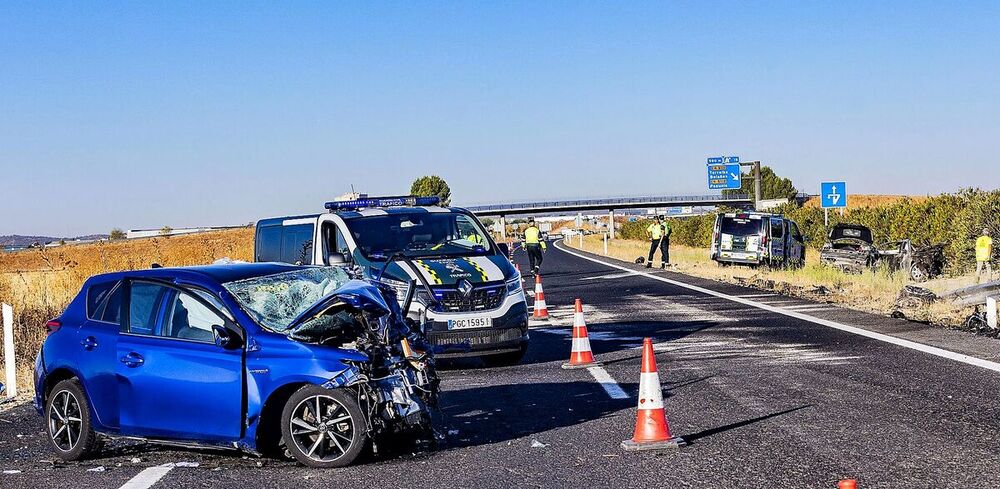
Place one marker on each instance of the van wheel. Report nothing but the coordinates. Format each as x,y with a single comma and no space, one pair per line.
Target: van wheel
506,359
917,274
323,428
67,422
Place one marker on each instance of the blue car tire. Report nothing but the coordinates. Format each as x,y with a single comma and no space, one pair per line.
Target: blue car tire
67,422
323,428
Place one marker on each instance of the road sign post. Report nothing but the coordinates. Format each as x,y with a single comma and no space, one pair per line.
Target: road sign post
833,195
8,349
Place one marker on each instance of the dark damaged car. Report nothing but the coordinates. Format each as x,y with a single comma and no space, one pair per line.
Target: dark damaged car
851,248
264,358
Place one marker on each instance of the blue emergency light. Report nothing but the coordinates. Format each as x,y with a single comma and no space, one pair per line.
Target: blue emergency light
401,201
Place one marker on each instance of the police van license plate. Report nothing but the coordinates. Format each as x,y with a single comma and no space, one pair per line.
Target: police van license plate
470,322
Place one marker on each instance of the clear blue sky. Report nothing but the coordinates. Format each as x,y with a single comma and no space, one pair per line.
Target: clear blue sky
144,114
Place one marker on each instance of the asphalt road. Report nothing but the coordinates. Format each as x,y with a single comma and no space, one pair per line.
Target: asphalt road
763,398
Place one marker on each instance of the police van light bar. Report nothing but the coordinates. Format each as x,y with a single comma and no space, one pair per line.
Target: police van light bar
402,201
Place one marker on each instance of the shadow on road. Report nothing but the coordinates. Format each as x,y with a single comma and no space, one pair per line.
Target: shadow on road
732,426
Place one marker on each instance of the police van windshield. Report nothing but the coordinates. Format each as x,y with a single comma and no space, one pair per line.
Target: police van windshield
740,226
418,234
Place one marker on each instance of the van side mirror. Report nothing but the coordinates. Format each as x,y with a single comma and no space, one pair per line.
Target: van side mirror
336,259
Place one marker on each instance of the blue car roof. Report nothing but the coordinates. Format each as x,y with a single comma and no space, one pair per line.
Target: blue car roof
223,273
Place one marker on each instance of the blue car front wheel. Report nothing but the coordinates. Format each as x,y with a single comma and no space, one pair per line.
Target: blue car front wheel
323,428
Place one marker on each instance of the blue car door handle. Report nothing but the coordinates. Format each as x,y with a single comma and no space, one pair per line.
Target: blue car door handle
89,343
133,360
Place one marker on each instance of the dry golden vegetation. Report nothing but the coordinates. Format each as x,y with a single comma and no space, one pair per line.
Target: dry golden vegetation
39,283
863,200
872,291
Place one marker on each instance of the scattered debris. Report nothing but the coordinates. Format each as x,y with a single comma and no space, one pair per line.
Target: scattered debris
186,464
99,468
11,472
912,296
136,460
452,432
538,444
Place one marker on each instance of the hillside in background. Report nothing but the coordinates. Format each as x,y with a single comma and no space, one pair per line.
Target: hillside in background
20,240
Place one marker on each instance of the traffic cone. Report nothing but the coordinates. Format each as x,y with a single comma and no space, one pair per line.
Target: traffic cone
580,356
848,484
541,310
651,429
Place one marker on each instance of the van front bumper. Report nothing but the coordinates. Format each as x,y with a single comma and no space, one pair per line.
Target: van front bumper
509,332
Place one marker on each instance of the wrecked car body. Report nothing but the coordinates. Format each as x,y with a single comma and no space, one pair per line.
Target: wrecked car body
919,263
850,248
265,358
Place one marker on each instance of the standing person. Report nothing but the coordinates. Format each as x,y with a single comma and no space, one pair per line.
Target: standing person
984,253
533,245
659,235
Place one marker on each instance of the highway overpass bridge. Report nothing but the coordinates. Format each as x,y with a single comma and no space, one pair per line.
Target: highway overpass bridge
610,205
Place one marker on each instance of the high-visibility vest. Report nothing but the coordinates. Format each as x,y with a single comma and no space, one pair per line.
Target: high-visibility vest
531,235
475,238
657,230
984,248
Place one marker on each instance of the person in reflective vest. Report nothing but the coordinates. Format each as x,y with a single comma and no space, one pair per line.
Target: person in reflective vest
533,245
984,255
475,237
659,235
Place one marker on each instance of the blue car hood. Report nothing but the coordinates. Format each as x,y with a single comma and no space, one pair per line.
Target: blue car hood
355,293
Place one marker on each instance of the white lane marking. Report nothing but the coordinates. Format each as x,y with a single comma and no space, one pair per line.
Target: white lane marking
607,382
609,276
148,477
931,350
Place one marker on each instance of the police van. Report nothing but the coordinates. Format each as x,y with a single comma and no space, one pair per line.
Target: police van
466,290
757,238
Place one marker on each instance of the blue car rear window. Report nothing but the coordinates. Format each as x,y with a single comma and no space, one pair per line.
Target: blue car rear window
142,307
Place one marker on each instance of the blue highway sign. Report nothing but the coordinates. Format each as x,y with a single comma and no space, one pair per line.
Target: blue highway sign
833,194
722,176
717,160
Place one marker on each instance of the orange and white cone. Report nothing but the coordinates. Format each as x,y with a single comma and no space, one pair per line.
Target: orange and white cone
541,310
651,429
848,484
580,355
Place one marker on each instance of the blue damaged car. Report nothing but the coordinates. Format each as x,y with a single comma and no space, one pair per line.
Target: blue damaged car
265,358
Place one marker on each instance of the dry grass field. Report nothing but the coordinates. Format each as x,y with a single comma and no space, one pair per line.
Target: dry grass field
872,291
862,200
39,283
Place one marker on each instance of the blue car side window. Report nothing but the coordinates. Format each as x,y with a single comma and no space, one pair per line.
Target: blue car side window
143,301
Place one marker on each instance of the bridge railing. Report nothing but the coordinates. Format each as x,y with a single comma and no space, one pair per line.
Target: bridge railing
611,202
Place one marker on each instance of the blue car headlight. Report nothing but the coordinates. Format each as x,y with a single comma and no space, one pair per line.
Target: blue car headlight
514,284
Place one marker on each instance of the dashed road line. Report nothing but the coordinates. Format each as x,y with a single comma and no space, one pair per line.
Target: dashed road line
931,350
151,475
605,380
148,477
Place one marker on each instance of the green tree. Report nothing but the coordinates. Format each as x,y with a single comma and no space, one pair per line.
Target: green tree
771,186
431,186
116,235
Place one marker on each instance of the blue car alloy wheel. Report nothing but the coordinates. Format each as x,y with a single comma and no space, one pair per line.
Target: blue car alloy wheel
323,428
68,421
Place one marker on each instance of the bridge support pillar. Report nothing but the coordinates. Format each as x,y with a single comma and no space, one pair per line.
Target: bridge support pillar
611,224
503,228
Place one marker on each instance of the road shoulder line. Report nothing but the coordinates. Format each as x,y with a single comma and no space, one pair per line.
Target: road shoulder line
931,350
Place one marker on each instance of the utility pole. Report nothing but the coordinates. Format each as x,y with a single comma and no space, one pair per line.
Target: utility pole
756,185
